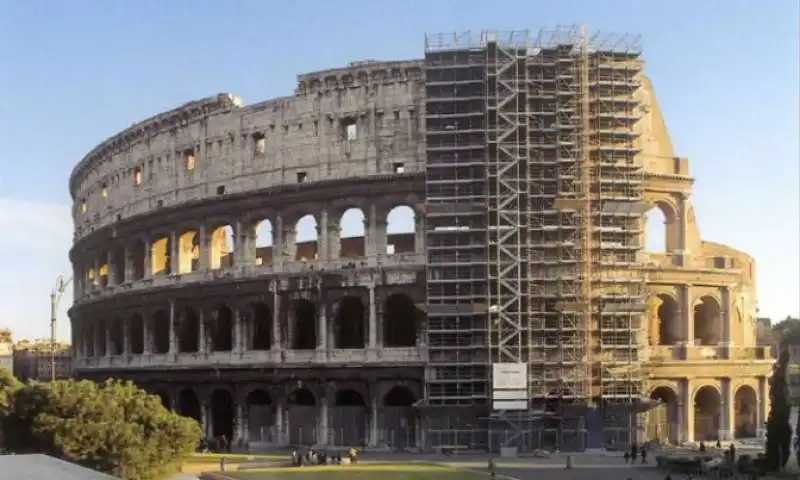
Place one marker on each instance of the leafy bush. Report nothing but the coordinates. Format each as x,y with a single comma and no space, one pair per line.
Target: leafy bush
114,427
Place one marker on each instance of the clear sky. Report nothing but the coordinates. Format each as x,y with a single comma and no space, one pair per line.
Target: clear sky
73,73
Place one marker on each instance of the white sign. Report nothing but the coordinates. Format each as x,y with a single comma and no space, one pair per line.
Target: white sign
510,376
509,404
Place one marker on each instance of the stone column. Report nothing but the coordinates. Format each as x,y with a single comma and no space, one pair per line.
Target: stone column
129,264
204,259
322,328
107,335
685,411
147,348
725,316
112,273
173,337
372,328
323,246
201,332
683,224
238,421
96,267
280,438
763,407
204,426
148,260
373,431
726,410
288,242
174,256
126,337
278,246
238,332
322,434
419,233
686,314
276,317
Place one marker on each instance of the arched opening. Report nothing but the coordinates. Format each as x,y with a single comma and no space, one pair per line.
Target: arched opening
400,321
102,279
349,419
221,247
304,239
164,398
658,227
219,329
160,328
188,252
349,323
117,337
351,233
260,417
265,240
188,331
746,412
222,414
136,333
188,405
401,225
118,265
662,420
707,322
399,422
304,328
302,416
669,326
559,420
707,409
159,256
260,326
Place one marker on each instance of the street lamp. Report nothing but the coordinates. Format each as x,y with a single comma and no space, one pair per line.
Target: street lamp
55,299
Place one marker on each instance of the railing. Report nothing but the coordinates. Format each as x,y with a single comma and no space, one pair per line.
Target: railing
289,358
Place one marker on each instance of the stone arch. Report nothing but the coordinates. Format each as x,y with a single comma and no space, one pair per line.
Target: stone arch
136,334
159,323
260,417
259,326
664,320
745,402
221,247
264,232
349,419
400,321
117,336
222,413
707,321
302,415
663,420
401,229
188,404
660,227
160,255
351,233
398,418
137,250
219,328
707,413
349,328
302,240
188,251
188,329
303,328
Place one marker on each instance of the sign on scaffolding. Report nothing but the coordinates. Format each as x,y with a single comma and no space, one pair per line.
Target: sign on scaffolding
509,386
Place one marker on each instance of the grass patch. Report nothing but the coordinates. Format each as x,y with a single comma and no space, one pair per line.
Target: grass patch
231,458
360,472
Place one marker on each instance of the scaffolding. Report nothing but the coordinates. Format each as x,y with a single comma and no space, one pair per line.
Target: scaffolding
545,125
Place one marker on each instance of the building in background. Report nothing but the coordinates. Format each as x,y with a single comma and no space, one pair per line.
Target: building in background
6,350
33,360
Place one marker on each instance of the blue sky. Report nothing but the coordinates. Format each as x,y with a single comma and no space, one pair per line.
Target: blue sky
73,73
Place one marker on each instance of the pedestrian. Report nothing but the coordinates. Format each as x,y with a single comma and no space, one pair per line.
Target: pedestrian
627,456
644,455
352,453
634,452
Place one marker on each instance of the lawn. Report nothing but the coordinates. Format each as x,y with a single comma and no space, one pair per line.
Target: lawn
360,472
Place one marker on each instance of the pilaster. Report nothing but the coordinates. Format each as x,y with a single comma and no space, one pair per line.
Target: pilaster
276,317
685,411
112,271
204,241
238,332
201,332
173,320
107,336
726,410
148,260
686,316
372,328
173,263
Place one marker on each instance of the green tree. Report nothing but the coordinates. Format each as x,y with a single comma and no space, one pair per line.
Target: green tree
779,432
114,427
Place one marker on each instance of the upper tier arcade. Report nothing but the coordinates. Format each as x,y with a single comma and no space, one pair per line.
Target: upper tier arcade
358,121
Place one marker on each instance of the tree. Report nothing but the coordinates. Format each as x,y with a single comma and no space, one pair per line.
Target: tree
779,432
114,427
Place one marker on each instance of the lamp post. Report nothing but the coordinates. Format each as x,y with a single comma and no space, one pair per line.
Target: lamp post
55,299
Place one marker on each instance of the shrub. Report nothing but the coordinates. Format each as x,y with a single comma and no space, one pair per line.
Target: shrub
114,427
779,432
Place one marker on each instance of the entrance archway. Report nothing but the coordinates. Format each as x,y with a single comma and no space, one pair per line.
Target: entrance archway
707,409
746,412
398,418
222,414
189,405
662,420
260,417
349,419
302,413
707,328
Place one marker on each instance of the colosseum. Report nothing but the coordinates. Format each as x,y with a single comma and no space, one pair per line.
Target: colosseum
417,254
